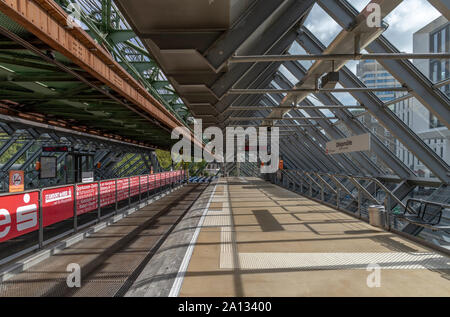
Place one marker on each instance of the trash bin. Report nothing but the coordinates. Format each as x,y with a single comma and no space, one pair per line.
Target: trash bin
377,216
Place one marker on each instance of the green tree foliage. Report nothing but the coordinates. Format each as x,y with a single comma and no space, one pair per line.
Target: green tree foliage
195,169
123,166
164,158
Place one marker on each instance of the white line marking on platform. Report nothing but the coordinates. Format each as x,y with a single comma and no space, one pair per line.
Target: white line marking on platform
176,287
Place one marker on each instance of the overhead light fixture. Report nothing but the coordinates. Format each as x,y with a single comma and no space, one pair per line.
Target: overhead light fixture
330,80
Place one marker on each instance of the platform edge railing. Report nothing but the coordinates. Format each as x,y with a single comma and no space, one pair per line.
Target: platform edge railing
156,184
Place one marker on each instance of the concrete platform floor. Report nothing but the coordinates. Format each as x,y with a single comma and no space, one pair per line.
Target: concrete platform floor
261,240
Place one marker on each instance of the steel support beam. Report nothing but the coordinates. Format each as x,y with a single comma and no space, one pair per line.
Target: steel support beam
335,57
353,125
387,118
312,90
351,168
279,32
229,43
443,6
403,70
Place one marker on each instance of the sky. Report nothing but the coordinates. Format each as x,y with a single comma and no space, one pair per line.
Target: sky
409,17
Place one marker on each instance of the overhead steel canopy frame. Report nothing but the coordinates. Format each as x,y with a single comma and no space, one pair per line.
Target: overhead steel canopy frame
348,163
355,126
202,52
347,41
205,36
106,25
403,70
384,115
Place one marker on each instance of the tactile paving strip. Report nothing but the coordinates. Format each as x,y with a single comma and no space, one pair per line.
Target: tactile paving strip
338,261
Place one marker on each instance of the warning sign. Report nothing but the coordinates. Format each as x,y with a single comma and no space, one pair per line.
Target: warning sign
16,181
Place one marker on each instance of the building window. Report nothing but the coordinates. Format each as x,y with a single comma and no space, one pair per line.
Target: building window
434,122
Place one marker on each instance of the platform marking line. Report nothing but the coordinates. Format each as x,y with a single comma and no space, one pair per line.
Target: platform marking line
176,287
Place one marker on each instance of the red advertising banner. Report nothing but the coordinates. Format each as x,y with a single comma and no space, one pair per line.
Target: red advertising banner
57,205
158,180
19,215
151,182
164,177
144,183
87,198
107,193
134,186
123,189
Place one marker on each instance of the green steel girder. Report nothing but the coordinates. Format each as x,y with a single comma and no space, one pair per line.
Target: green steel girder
107,26
139,66
120,36
68,99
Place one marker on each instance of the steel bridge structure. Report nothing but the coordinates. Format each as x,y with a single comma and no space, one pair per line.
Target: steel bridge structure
111,79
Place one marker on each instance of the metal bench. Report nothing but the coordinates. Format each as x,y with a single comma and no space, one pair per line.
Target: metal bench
427,215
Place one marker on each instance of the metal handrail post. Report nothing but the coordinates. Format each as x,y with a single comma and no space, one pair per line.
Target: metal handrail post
99,208
129,191
117,198
41,220
359,203
338,197
140,195
322,192
388,211
75,214
148,186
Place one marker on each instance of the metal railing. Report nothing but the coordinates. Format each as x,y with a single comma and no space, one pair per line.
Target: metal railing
62,210
363,196
358,199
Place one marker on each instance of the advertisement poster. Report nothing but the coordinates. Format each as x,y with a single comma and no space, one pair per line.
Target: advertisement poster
158,180
19,215
57,205
134,186
16,181
151,182
107,193
87,198
144,184
123,189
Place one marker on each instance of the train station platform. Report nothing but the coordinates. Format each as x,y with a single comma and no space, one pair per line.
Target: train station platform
258,239
239,237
